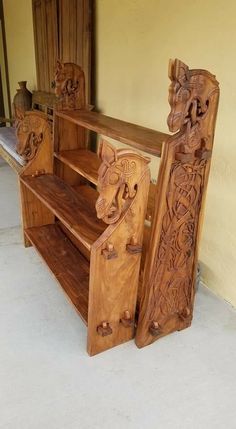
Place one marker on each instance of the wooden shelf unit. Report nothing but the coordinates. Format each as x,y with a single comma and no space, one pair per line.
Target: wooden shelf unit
96,254
90,238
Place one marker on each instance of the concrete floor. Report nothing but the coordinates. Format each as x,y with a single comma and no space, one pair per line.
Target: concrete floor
47,381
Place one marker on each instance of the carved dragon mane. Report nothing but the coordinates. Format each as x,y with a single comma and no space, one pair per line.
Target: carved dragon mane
119,176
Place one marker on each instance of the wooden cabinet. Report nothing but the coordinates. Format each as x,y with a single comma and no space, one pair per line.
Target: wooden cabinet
62,29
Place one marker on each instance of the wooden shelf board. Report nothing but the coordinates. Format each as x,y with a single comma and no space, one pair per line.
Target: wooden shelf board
70,268
69,206
136,136
84,162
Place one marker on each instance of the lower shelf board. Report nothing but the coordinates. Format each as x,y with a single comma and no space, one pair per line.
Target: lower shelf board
70,268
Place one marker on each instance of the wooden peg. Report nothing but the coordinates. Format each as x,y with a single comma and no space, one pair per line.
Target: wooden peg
104,329
38,173
109,252
154,329
133,246
185,313
127,320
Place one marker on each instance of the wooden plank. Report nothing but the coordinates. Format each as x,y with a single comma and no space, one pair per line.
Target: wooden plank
83,161
75,35
91,196
136,136
70,268
68,205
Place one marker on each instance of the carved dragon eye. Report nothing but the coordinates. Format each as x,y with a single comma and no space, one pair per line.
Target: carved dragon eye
114,178
184,94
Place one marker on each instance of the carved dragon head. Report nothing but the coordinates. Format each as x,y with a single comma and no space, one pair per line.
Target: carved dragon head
70,83
30,132
190,95
119,176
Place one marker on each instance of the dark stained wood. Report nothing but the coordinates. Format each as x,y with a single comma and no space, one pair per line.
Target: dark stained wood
70,268
90,195
138,137
83,161
46,43
75,35
62,29
67,205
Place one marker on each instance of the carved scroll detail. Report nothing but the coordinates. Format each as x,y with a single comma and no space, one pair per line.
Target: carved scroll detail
169,278
69,86
30,133
119,176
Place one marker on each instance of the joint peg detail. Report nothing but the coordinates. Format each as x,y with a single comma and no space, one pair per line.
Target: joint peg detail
154,329
133,247
109,252
104,329
127,320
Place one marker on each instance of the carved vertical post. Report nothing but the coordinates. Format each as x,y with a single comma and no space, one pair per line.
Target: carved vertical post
123,185
169,276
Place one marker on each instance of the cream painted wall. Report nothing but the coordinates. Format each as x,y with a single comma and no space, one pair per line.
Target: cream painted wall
135,39
3,74
20,43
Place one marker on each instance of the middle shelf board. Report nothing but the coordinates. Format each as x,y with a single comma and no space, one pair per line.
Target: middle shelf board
87,163
139,137
70,268
71,207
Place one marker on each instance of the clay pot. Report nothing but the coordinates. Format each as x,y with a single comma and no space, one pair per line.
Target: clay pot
22,101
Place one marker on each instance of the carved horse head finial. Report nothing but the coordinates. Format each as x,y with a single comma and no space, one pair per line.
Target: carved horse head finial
190,94
119,176
69,85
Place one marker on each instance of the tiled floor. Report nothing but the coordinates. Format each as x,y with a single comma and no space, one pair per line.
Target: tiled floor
47,381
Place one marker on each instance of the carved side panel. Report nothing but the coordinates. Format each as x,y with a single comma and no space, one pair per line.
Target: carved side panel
169,277
123,185
30,133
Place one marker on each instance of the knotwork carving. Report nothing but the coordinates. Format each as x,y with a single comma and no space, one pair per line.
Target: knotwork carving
174,262
119,176
69,86
30,134
169,278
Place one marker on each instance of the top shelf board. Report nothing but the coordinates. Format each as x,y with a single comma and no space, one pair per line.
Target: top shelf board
141,138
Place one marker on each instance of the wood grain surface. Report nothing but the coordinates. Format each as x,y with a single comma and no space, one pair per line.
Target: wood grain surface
67,205
136,136
70,268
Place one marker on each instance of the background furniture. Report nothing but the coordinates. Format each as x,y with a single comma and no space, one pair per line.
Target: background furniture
66,80
62,29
